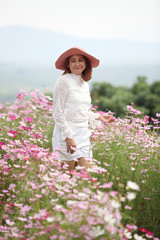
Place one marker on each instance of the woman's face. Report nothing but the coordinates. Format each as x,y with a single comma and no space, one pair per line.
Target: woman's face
77,64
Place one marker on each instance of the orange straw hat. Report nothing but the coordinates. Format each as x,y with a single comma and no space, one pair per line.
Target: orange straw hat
60,63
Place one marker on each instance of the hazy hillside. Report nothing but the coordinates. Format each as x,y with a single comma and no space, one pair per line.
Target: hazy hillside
27,57
27,45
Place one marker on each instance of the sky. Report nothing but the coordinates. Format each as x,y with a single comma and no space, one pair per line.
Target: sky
107,19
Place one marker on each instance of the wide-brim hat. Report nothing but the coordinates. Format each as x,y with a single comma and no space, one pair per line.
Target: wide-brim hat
60,63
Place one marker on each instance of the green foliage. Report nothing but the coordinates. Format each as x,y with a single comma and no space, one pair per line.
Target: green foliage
145,97
155,88
103,89
141,85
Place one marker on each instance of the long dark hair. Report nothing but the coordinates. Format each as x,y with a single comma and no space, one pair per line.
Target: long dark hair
86,74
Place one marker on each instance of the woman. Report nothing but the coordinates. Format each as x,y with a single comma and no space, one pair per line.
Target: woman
71,108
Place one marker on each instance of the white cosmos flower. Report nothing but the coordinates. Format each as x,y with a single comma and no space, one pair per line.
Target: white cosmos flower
109,219
17,142
137,237
23,124
97,231
79,167
127,234
133,169
58,206
70,202
50,219
131,196
46,178
10,134
115,204
81,194
133,185
123,199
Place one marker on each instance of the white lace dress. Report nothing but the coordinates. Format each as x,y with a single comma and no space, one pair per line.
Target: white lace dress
71,113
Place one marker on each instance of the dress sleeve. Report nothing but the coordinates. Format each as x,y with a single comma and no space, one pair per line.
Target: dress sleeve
93,119
59,96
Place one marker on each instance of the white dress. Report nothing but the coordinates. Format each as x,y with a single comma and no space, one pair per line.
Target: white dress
71,113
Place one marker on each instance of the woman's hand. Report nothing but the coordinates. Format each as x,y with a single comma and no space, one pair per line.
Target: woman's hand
105,117
71,145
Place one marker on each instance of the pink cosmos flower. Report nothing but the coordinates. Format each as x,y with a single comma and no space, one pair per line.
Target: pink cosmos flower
133,110
5,191
24,210
19,96
128,207
107,185
96,106
38,196
113,193
149,236
84,174
9,222
147,119
12,186
29,119
22,219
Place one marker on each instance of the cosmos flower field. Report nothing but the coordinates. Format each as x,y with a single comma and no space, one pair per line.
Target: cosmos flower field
116,199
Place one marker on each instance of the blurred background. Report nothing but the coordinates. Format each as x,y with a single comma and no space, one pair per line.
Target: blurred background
123,34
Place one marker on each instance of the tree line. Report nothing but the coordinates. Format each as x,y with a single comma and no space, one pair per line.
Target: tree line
145,97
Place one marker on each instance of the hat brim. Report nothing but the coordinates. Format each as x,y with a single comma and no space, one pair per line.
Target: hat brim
60,63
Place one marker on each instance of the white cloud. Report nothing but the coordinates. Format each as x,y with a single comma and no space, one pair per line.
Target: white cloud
127,19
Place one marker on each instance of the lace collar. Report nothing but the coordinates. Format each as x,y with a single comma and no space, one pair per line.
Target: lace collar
75,76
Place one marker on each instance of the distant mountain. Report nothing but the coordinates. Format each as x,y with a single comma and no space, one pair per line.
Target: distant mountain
32,45
27,57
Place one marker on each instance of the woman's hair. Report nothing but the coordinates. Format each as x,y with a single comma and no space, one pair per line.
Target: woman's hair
86,74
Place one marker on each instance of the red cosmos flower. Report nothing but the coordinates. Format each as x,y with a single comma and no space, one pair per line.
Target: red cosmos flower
146,231
1,144
12,117
10,204
26,128
14,133
36,135
93,180
47,215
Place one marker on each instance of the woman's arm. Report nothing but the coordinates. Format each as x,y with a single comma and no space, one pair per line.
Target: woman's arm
105,117
95,118
59,97
71,145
